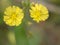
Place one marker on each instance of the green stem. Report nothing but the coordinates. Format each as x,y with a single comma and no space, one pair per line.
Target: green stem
20,32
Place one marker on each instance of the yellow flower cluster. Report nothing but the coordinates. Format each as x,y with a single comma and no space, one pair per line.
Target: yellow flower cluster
38,12
13,16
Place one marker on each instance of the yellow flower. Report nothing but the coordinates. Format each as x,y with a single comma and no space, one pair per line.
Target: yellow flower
13,16
38,12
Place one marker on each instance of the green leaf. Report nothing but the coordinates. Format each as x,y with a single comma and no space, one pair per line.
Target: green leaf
20,35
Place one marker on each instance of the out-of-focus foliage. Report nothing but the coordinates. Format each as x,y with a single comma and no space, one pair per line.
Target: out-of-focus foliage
56,2
30,32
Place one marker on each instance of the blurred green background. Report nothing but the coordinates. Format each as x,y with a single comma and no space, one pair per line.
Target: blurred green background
44,33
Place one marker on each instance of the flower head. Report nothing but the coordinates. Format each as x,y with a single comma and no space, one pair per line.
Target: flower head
13,16
38,12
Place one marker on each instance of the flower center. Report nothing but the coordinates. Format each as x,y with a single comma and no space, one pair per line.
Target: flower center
13,16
